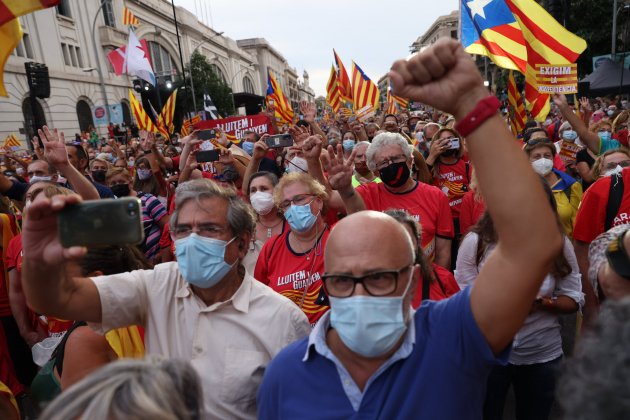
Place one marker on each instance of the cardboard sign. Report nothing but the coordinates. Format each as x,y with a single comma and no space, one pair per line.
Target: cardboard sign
556,78
365,113
568,151
235,127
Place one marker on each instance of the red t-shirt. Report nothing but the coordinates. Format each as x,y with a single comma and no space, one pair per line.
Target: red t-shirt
443,287
453,180
287,272
425,203
590,220
470,212
55,326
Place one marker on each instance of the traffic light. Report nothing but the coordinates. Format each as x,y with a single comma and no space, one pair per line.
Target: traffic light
38,80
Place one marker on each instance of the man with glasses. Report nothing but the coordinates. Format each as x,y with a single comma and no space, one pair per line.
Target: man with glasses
370,356
204,308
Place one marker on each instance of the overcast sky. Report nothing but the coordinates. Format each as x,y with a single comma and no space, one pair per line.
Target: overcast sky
373,33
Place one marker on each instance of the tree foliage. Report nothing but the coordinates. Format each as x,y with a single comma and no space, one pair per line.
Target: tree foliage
207,81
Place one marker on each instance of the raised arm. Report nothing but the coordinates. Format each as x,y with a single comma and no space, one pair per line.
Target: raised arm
445,77
47,288
590,139
309,110
55,153
260,150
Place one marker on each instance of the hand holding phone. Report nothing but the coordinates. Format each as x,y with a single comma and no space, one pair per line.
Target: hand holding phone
279,141
207,156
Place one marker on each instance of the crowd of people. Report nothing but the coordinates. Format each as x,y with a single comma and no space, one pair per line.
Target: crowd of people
411,265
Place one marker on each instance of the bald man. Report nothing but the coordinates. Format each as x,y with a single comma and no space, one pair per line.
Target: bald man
371,356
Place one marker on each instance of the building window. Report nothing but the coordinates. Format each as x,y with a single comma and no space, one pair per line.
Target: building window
24,48
163,64
248,85
63,9
79,58
108,14
66,54
218,72
84,115
73,55
454,34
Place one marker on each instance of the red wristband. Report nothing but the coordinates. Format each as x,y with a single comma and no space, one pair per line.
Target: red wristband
485,109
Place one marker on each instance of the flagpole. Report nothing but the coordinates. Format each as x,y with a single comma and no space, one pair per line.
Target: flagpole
98,62
179,44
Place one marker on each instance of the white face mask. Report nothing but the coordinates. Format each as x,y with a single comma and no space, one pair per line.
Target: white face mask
262,202
542,166
36,178
297,164
614,171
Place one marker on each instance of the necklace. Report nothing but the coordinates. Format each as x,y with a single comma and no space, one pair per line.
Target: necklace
269,228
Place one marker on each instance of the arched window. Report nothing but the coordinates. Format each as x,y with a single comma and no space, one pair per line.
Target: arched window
84,115
40,117
163,64
219,73
248,85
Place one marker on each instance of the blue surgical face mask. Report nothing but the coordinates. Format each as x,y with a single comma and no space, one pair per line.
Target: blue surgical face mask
202,260
604,135
300,218
348,145
248,146
144,174
369,325
569,135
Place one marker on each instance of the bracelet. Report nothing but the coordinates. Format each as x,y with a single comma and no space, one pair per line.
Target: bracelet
484,109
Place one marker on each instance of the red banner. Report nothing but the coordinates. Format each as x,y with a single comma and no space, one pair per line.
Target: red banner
235,127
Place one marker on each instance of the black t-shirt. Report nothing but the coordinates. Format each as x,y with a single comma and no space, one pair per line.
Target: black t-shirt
584,156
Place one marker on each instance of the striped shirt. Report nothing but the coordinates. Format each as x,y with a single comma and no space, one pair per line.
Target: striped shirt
152,212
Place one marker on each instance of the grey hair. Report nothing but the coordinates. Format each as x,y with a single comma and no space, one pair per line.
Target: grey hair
133,390
596,381
386,139
240,215
362,143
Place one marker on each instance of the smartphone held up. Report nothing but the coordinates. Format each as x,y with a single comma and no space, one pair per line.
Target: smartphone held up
103,222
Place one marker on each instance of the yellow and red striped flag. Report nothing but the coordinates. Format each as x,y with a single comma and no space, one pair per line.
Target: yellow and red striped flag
343,81
364,91
517,35
284,111
391,105
518,116
188,125
12,143
402,102
11,30
142,118
168,112
333,96
129,18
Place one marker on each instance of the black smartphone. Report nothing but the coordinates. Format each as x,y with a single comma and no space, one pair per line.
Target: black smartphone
104,222
278,141
207,156
207,134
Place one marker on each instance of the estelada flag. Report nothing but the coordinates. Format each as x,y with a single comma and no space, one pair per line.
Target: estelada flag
518,116
364,91
343,81
333,96
168,111
284,111
517,35
11,30
142,118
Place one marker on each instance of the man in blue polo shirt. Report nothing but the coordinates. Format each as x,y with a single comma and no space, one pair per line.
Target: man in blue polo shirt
371,356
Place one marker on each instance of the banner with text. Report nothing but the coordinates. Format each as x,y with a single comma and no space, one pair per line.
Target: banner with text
235,127
556,78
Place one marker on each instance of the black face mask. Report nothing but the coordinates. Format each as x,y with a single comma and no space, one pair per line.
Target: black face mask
120,190
450,152
395,175
99,175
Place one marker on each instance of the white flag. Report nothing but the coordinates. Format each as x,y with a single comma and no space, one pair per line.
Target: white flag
137,61
209,107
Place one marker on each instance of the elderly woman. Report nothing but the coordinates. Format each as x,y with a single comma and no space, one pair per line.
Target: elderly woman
293,262
566,190
154,214
390,158
269,221
610,163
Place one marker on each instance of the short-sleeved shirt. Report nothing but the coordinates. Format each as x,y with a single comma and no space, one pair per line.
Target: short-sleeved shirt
152,211
228,343
470,212
442,377
591,216
294,275
606,145
453,180
425,203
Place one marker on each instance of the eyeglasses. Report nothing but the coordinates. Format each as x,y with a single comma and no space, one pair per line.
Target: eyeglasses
613,165
381,283
394,159
298,200
534,142
207,231
617,256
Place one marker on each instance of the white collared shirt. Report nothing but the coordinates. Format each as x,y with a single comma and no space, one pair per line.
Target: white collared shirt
229,343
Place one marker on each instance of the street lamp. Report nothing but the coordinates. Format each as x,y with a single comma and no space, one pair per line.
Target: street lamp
192,83
250,65
98,64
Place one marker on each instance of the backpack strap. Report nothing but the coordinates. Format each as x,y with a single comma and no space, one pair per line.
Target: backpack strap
615,196
59,351
426,284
